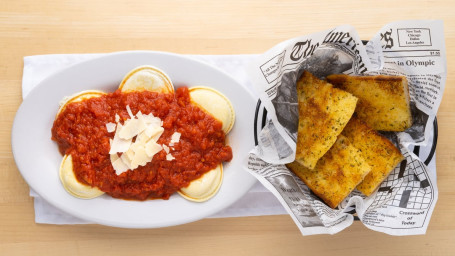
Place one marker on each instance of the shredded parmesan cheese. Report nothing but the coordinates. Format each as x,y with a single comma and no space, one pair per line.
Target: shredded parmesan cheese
119,166
166,149
118,144
169,157
131,128
144,130
151,148
128,109
175,137
110,127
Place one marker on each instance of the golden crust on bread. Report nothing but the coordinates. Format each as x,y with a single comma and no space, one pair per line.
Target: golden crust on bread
383,100
377,151
323,113
336,174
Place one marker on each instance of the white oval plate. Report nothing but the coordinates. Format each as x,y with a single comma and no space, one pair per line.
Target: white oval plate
38,158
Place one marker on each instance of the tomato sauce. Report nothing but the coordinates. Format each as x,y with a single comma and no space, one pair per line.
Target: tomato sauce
80,130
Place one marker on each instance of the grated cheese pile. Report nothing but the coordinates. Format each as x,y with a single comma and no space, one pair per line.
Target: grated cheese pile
144,130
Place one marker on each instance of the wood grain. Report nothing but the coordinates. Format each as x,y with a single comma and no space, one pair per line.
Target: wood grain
202,27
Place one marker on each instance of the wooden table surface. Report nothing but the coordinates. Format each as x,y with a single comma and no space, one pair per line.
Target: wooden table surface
202,27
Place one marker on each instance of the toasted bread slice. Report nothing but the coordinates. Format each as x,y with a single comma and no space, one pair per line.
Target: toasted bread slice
336,174
323,113
383,100
377,151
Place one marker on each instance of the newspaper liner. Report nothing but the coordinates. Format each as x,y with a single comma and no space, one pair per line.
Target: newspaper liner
404,202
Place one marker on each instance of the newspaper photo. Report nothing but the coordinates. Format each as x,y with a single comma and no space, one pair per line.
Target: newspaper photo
404,202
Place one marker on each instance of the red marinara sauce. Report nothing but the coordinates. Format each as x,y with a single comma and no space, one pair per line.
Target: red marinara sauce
80,130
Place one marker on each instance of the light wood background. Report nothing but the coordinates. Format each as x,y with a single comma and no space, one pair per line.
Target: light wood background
202,27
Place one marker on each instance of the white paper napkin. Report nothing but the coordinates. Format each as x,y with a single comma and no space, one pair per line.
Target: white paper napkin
258,201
